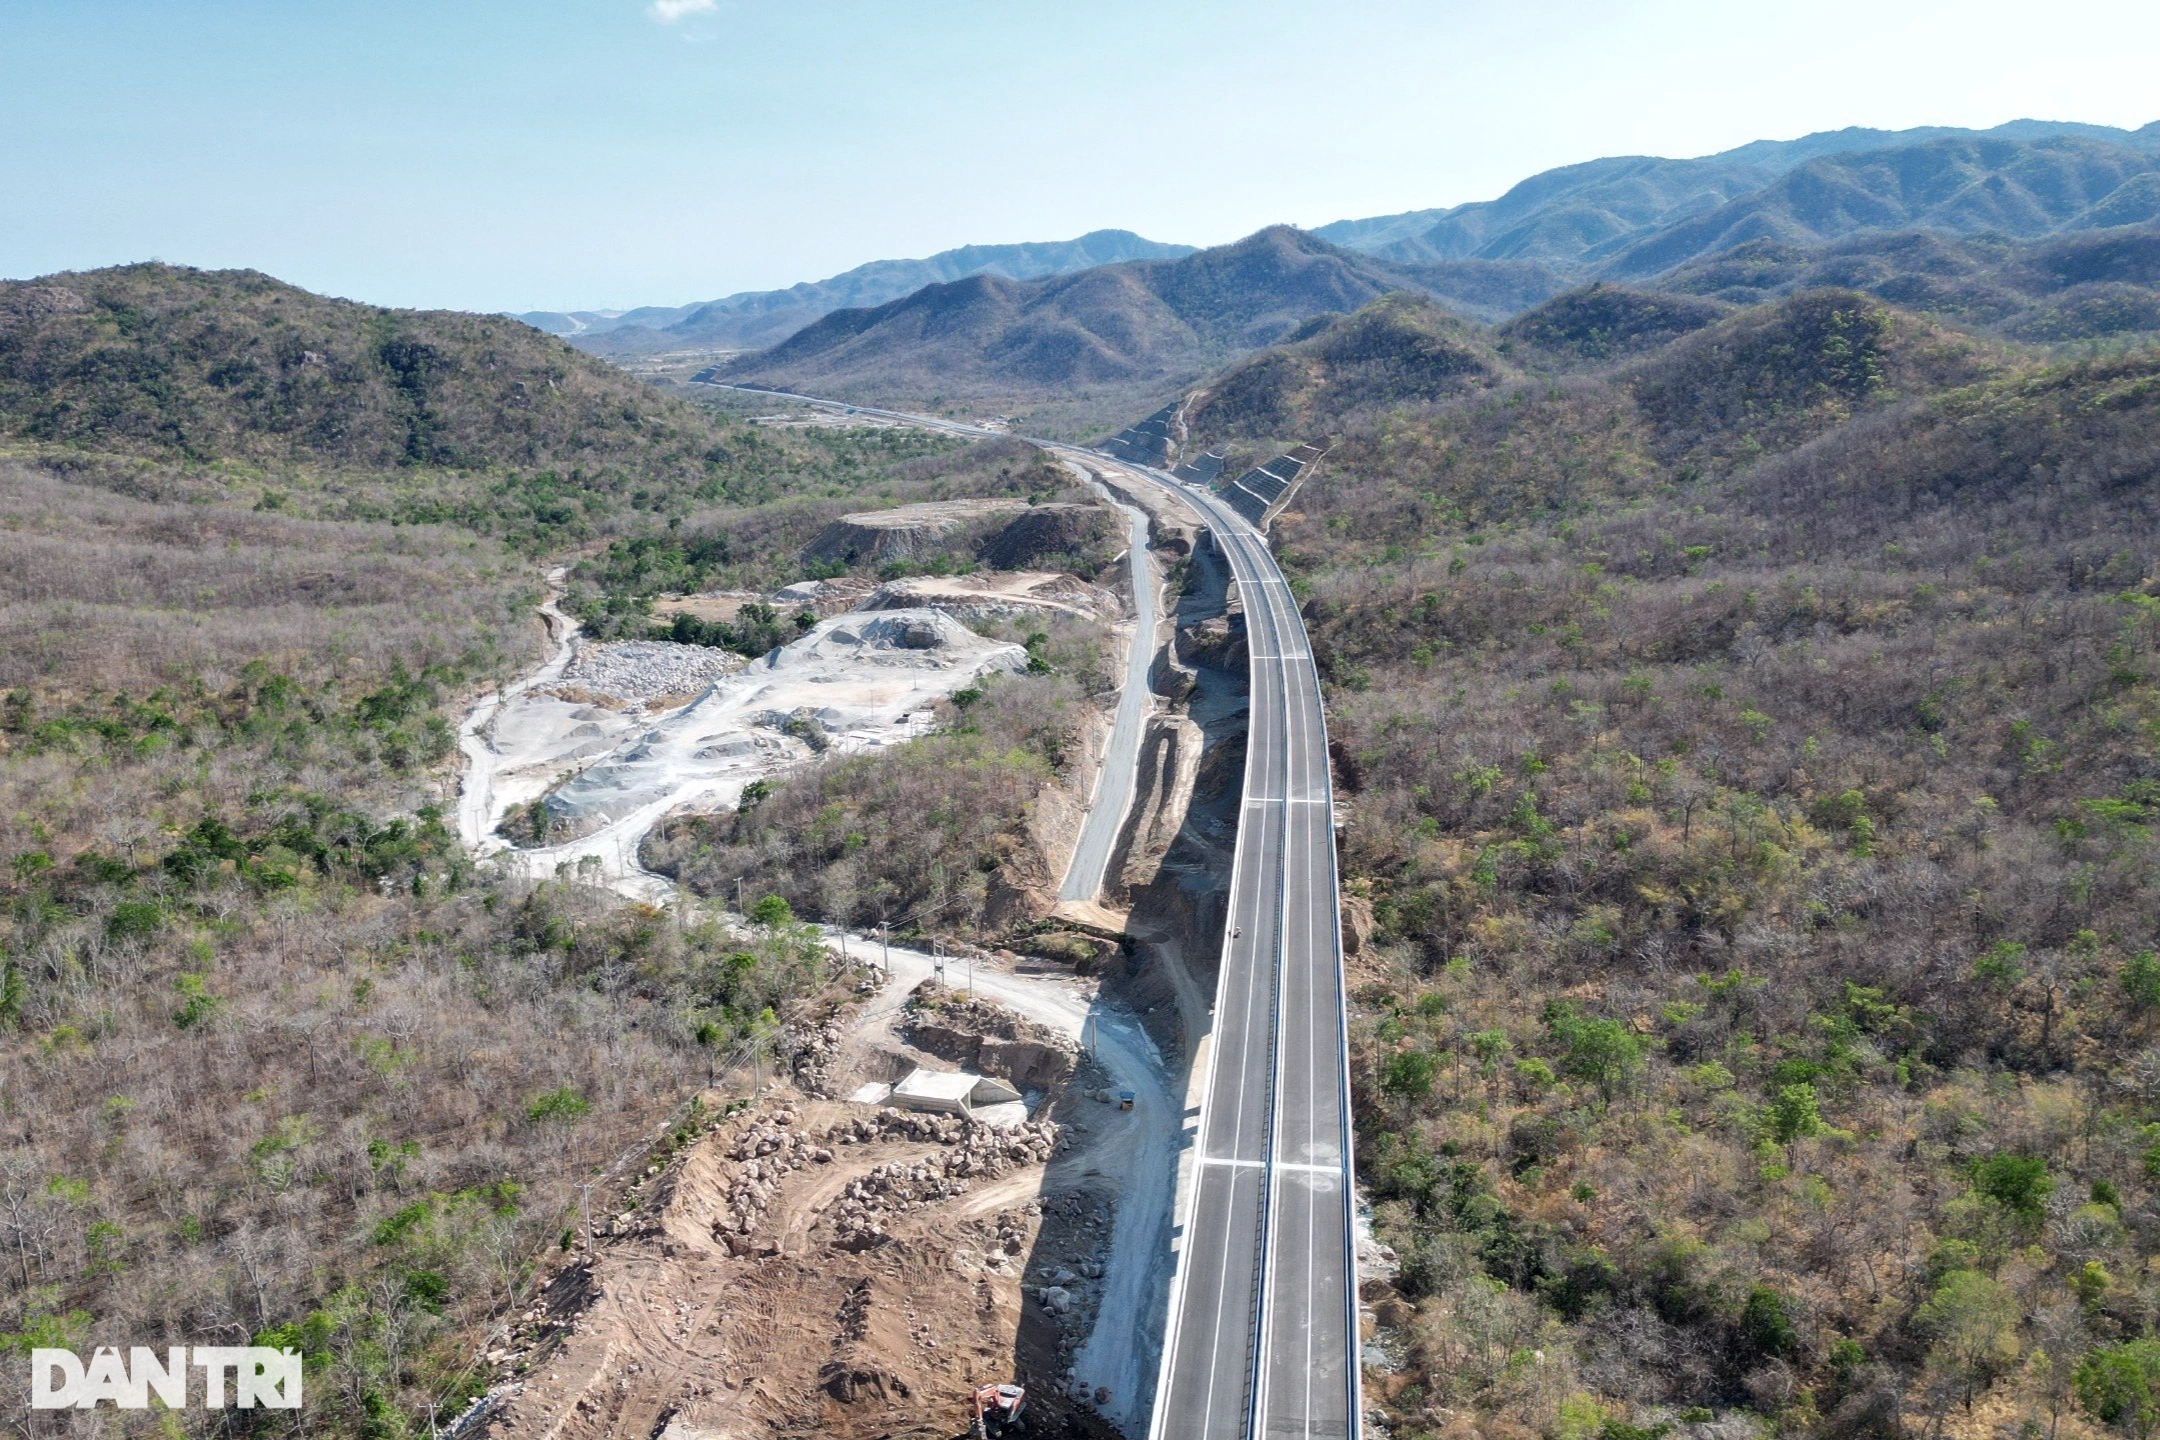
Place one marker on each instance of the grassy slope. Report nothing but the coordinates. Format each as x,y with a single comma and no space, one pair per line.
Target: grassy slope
1750,754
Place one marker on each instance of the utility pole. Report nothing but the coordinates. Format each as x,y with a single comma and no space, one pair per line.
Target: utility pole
738,897
885,942
971,974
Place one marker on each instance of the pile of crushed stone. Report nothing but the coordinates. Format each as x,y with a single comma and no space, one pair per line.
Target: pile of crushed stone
855,678
640,670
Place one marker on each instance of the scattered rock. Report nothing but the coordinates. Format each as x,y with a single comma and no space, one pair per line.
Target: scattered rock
640,670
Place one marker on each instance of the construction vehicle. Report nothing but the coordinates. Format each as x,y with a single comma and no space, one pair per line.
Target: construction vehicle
997,1411
1125,1099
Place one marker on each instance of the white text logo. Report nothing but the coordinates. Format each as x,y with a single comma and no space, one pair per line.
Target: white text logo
59,1380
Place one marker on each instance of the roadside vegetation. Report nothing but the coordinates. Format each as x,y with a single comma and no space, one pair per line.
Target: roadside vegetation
760,547
1747,721
280,1064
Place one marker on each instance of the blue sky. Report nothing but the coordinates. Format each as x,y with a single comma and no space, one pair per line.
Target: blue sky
591,153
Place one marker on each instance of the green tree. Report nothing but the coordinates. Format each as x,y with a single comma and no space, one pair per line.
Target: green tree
1972,1321
2120,1384
1408,1075
1794,1116
2141,980
2003,965
772,911
2019,1183
1764,1322
563,1103
1603,1052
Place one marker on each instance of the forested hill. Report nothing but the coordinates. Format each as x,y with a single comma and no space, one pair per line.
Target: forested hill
758,318
196,365
2031,232
1748,727
1638,214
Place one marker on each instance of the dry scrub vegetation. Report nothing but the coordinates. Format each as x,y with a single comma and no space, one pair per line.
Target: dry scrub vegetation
1752,754
760,546
279,1064
930,835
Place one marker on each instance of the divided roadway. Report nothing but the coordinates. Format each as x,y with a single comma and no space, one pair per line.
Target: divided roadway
1263,1336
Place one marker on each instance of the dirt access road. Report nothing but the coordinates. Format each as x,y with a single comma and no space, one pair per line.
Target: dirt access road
1136,1156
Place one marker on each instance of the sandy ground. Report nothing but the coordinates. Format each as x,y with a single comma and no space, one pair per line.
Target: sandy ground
649,1367
725,1303
998,591
715,605
499,776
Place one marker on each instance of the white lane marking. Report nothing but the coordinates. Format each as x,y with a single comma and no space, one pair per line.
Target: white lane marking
1336,1170
1300,703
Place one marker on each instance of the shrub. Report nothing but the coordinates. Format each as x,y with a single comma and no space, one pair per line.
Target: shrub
1408,1075
1603,1052
1764,1322
2120,1384
2018,1183
563,1104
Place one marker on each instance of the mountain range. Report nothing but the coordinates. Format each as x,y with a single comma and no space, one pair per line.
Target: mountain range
2031,231
1585,215
1142,320
758,318
1621,217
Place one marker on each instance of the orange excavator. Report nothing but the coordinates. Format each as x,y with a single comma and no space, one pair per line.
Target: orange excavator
997,1411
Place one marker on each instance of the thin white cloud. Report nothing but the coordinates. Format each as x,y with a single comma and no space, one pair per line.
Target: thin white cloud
667,12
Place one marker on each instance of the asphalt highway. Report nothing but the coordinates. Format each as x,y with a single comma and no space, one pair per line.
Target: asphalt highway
1262,1337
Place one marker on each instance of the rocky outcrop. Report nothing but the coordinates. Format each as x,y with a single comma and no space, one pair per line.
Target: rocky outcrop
763,1155
871,1202
639,670
1216,643
1357,923
985,1038
1163,787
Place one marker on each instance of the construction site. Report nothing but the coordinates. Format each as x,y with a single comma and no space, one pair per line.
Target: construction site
960,1169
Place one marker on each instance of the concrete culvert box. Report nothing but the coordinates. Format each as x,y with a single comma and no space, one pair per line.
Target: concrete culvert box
952,1093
